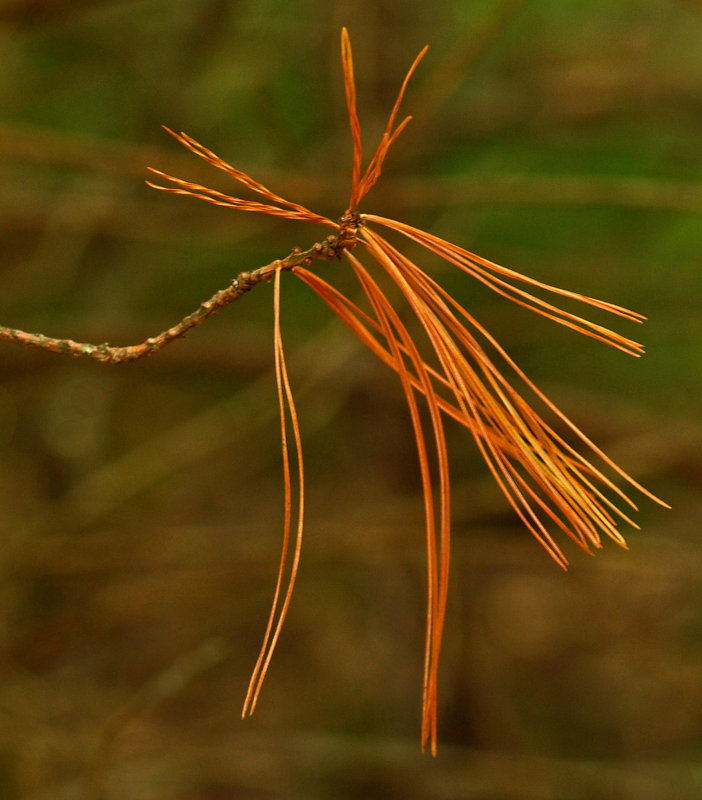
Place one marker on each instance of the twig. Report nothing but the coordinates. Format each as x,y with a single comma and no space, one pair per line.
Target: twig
329,249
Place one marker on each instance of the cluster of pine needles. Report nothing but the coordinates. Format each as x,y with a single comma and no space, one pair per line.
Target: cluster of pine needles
548,482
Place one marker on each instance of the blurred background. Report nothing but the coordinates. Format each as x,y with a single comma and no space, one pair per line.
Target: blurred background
141,506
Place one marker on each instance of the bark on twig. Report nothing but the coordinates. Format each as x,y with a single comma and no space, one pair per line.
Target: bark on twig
329,249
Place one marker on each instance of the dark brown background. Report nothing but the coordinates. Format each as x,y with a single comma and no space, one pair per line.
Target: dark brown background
141,506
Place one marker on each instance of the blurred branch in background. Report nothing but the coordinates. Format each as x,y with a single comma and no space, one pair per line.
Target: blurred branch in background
695,5
455,67
124,548
38,145
119,160
553,190
193,441
42,12
164,686
359,765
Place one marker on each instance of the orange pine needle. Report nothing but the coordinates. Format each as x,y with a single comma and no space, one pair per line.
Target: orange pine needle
273,629
350,89
546,480
291,210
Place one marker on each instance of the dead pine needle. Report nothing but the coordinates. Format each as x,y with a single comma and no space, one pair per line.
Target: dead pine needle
554,486
286,407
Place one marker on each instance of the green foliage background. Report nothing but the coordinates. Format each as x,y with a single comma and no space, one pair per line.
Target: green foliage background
141,507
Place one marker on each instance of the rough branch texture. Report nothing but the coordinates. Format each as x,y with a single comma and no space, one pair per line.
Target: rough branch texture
329,249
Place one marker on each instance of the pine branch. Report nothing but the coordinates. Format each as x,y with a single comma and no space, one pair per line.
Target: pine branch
329,249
